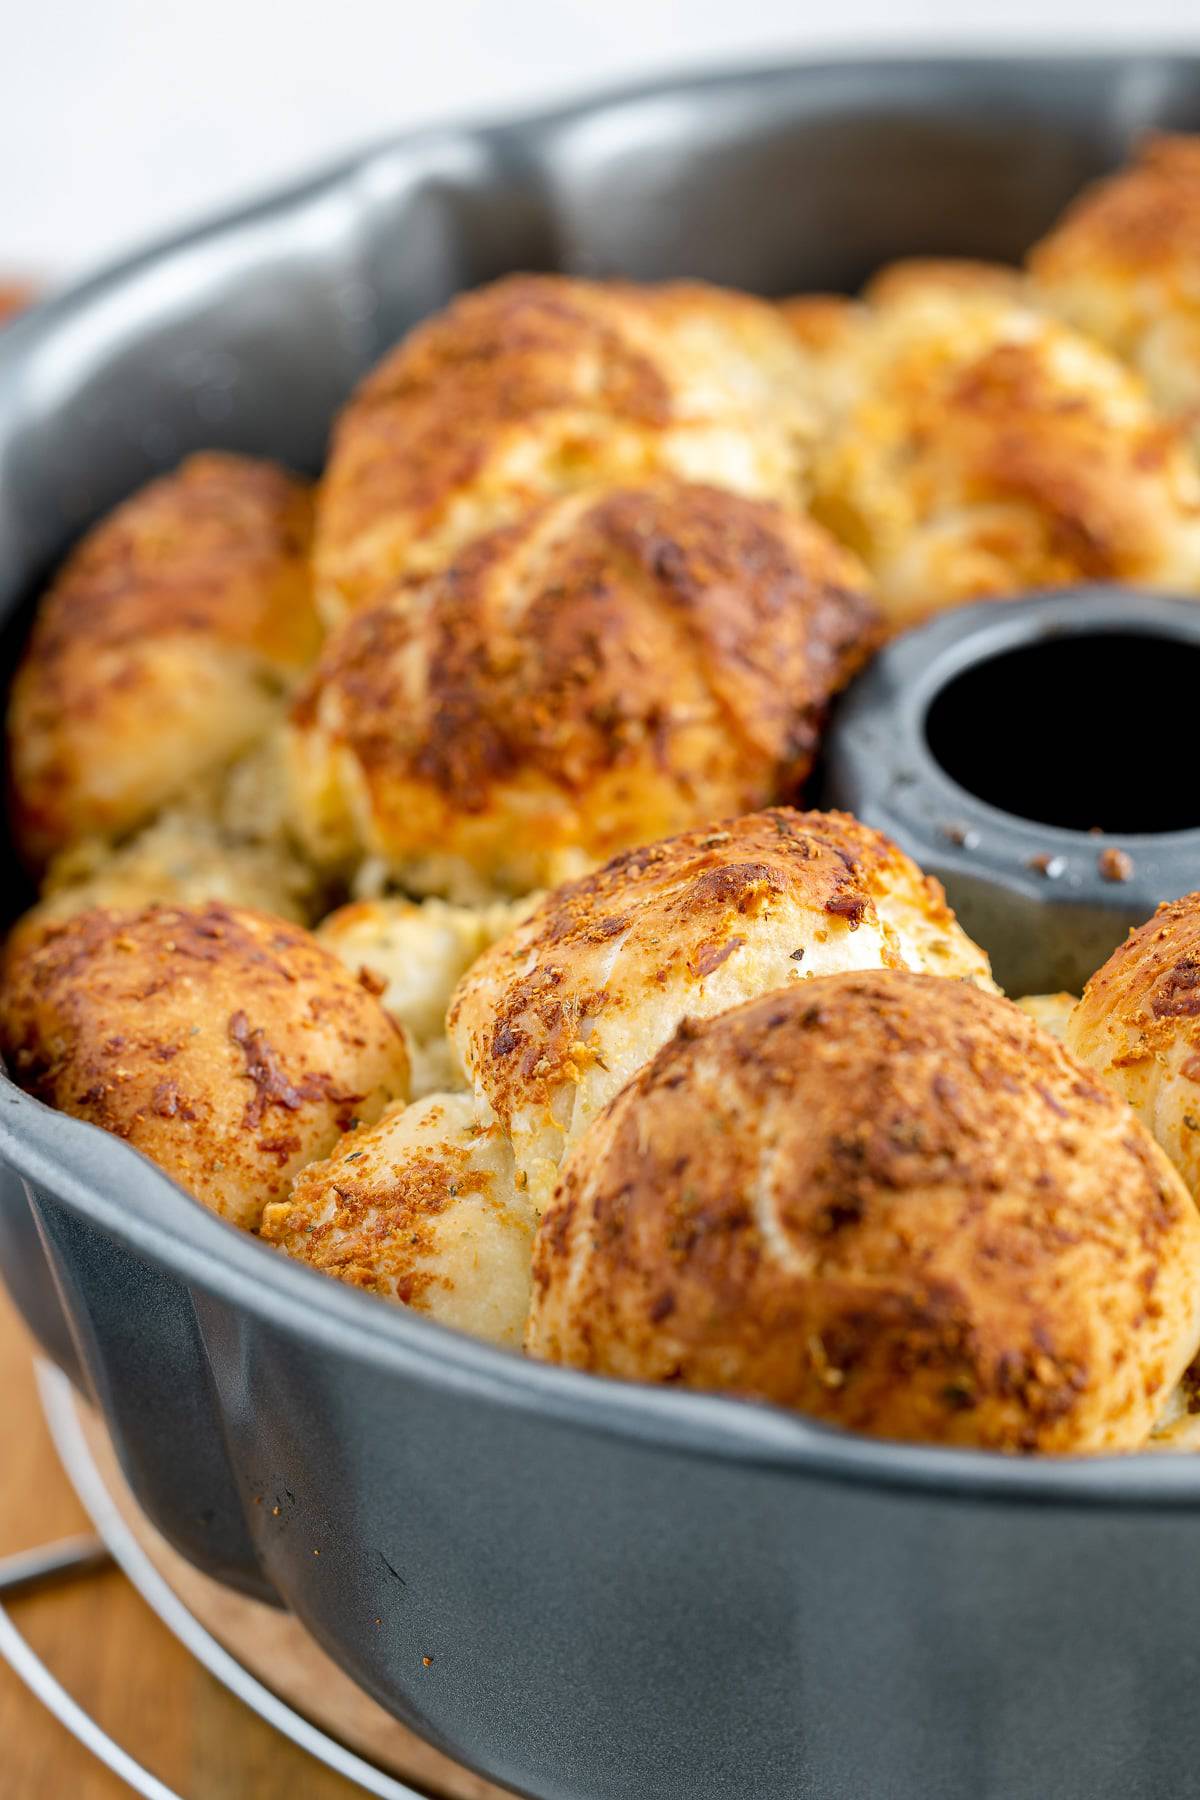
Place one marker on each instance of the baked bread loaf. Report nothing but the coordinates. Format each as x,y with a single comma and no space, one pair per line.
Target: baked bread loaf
1123,264
224,1044
1138,1025
420,1208
986,449
890,1202
554,1019
618,665
541,384
163,650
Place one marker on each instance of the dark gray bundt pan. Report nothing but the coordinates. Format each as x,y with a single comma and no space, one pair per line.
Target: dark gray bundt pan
625,1593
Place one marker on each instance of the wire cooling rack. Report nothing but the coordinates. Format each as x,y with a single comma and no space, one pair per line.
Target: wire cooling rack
76,1558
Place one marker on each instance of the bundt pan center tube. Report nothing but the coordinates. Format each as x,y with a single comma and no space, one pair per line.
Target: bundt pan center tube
1035,757
586,1589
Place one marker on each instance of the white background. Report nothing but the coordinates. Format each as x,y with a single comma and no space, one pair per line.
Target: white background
123,118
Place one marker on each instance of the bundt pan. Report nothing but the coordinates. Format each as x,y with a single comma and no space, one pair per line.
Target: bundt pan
589,1590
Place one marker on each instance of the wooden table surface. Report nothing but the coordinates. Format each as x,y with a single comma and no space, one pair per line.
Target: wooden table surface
111,1652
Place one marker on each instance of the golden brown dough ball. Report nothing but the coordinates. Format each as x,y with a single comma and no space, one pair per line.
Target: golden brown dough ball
162,650
1123,264
1138,1025
989,450
541,384
834,332
227,841
828,330
1051,1011
182,859
916,277
887,1201
224,1044
616,666
420,1208
412,953
556,1017
822,324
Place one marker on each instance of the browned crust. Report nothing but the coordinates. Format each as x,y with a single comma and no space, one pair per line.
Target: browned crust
1138,1025
1141,220
375,1228
1019,437
887,1200
419,1208
821,323
575,365
218,546
228,1046
526,345
378,1240
911,276
215,554
676,637
521,1013
1150,985
1041,468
